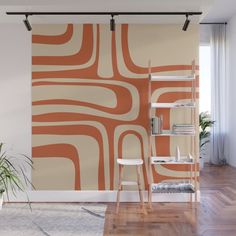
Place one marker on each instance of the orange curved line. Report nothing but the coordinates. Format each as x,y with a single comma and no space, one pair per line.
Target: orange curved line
94,67
82,57
54,39
124,100
131,66
120,141
179,167
123,97
158,177
78,130
170,97
118,110
167,84
114,56
126,54
60,150
108,123
90,72
68,116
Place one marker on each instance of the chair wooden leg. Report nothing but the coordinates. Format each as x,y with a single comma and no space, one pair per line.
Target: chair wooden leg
139,188
150,196
150,187
191,179
119,189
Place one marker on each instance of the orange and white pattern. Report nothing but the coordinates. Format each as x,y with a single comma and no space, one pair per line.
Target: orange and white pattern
90,100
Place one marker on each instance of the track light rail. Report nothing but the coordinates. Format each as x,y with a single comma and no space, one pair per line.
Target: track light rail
112,14
103,13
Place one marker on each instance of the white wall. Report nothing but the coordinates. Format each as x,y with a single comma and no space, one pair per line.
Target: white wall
205,34
15,87
204,39
231,36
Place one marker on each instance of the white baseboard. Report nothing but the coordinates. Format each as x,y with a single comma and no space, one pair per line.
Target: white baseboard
99,196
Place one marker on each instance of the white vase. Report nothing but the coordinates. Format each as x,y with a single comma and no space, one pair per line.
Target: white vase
177,154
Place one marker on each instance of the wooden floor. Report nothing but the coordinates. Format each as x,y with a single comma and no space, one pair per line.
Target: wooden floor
214,216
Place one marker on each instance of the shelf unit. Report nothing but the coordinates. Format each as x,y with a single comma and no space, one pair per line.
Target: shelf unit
191,181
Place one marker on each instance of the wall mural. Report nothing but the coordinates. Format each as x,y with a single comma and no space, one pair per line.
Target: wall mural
90,100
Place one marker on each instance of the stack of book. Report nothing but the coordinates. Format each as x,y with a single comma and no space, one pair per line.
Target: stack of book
183,129
157,125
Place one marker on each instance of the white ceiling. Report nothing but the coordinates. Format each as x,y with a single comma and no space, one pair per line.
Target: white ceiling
221,11
213,10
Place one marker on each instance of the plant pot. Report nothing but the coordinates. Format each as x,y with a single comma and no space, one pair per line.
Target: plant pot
202,161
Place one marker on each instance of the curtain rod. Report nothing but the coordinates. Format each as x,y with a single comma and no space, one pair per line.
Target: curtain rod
213,23
104,13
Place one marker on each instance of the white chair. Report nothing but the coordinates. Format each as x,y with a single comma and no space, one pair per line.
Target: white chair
129,162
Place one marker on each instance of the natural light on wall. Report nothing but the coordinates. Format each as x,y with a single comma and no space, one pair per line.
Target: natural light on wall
205,79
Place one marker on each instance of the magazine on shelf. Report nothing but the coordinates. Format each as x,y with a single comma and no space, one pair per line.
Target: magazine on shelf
183,128
173,187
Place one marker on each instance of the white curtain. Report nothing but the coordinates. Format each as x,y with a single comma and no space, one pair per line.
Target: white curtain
219,95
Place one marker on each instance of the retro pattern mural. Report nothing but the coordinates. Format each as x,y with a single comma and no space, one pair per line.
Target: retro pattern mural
90,100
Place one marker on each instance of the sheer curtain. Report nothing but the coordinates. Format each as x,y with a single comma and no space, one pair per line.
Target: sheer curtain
219,94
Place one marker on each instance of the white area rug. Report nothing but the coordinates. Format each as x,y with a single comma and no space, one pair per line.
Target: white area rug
52,219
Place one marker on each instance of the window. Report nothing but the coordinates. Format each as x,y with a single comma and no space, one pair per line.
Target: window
205,79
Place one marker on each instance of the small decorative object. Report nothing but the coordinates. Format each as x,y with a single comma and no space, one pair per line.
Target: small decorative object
177,154
189,158
12,176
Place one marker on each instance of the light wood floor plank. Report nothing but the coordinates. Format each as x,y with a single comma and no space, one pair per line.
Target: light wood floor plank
214,216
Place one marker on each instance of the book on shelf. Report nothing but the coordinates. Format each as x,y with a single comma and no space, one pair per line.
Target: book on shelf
157,125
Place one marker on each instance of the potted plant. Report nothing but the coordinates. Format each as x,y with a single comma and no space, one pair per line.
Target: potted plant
205,123
12,173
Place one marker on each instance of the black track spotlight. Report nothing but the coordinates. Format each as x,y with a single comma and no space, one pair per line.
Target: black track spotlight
186,24
112,23
27,24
